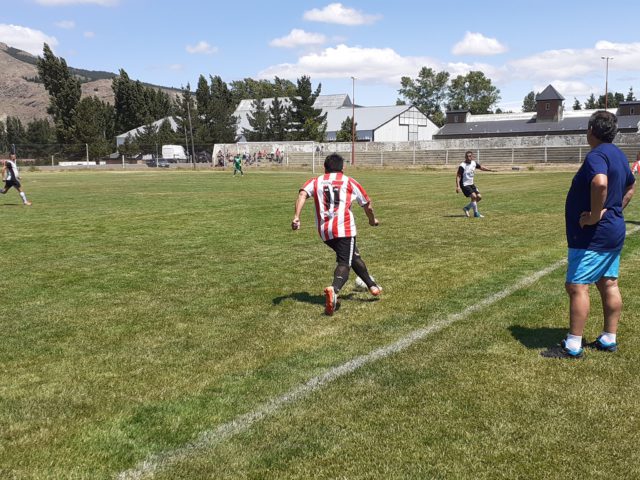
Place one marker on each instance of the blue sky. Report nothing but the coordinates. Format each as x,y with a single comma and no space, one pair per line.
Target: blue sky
521,45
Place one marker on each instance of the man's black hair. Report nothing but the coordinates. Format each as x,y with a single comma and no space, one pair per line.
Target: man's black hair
333,163
604,126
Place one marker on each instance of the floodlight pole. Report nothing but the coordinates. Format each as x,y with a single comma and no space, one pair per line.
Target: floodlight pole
606,82
193,152
353,120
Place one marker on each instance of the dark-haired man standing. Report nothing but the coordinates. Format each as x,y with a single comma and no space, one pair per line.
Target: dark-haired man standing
601,189
333,194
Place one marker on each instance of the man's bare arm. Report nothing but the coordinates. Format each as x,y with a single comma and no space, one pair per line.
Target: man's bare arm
300,201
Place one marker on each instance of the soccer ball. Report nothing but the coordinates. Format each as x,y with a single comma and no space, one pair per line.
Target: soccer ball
360,285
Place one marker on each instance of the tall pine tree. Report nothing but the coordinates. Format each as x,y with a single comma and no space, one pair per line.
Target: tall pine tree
64,93
307,123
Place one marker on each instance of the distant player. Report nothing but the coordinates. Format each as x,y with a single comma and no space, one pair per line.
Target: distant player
237,165
11,178
636,164
333,194
465,184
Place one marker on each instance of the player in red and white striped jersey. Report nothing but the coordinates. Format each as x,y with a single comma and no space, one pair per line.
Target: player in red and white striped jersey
333,194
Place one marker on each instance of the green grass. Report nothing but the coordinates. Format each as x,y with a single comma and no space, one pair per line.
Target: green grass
141,309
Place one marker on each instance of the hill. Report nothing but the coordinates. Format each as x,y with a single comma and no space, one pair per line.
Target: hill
22,96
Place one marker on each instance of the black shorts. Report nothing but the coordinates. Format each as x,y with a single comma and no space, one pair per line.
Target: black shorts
345,249
14,182
469,189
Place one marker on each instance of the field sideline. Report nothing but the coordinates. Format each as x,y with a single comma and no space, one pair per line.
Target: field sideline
141,310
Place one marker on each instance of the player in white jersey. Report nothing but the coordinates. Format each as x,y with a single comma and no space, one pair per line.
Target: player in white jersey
333,194
11,178
466,185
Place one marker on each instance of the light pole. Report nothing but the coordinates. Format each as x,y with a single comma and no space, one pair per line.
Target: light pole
606,82
353,120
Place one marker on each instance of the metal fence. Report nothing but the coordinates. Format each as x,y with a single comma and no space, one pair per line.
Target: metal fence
309,155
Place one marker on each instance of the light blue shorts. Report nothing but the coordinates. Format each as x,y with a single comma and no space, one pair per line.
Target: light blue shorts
587,266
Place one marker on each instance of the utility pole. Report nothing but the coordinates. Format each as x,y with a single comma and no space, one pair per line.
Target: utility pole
353,120
606,82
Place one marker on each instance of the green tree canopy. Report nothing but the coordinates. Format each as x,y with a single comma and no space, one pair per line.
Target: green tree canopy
307,123
529,102
64,93
591,103
259,122
428,92
576,104
277,121
95,122
473,92
345,133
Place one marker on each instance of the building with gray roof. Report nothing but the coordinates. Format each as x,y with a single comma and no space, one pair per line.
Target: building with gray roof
550,118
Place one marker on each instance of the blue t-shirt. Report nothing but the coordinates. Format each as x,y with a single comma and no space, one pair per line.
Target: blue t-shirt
608,234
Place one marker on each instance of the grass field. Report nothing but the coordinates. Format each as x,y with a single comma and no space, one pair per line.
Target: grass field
144,312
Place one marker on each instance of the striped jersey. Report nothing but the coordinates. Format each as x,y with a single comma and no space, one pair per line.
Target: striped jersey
333,195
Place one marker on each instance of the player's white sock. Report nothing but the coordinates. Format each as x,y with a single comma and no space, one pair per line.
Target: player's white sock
474,205
24,197
573,342
469,206
607,338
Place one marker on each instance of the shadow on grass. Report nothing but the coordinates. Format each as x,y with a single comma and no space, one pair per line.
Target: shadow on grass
11,204
537,337
455,216
632,222
306,297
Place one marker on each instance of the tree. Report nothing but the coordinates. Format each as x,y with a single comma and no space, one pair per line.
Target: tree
259,122
136,104
576,104
345,133
529,102
277,121
185,106
40,139
630,96
307,123
95,120
222,107
613,100
16,133
64,93
252,89
428,93
591,103
473,92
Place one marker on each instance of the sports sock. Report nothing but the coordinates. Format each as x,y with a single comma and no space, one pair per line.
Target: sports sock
474,205
573,342
24,197
340,277
360,268
607,338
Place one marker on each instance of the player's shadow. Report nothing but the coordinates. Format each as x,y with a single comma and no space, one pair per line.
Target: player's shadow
537,337
462,215
632,222
304,297
11,204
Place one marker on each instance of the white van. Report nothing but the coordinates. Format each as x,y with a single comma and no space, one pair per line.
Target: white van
174,152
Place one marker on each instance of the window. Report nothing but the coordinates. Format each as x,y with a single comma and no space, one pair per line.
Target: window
547,106
632,111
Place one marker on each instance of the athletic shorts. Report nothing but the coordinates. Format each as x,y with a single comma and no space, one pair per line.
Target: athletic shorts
14,182
587,266
345,249
469,189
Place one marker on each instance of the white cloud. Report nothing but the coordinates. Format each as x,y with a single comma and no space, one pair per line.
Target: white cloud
26,38
202,47
298,37
478,44
89,34
61,3
381,65
338,13
568,89
66,24
176,67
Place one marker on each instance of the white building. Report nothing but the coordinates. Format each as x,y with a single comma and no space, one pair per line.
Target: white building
397,123
134,133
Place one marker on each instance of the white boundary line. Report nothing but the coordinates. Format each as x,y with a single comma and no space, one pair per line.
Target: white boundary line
210,438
